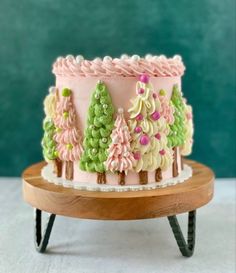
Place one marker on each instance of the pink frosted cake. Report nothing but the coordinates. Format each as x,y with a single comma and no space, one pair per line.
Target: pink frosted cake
117,124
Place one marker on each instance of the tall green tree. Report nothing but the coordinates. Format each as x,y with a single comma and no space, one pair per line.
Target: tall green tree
177,133
97,135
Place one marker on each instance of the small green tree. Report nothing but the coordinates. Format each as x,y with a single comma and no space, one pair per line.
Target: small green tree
176,136
97,135
186,148
49,144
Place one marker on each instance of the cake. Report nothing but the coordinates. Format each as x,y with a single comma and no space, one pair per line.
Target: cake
117,124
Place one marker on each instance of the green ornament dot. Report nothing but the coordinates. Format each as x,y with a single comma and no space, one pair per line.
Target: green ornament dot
66,92
100,86
96,96
104,139
94,151
65,114
69,146
162,92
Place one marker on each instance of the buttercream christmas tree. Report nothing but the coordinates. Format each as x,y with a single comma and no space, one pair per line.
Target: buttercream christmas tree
120,158
144,126
167,109
67,136
186,148
176,136
98,133
48,143
164,107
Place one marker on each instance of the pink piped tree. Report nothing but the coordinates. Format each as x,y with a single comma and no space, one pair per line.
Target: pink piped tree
67,135
166,110
120,158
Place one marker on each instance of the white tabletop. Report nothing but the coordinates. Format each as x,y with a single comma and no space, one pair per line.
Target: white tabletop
88,246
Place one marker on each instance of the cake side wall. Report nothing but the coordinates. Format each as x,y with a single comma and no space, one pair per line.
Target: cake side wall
122,90
132,178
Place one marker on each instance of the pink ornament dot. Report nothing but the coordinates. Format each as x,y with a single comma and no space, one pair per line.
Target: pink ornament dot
137,156
141,91
144,140
189,116
162,152
158,136
156,115
138,129
154,95
144,78
139,117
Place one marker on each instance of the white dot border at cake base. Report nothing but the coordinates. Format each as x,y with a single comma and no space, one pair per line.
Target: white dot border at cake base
47,174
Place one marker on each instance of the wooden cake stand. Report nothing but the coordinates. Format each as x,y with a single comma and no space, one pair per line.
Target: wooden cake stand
132,205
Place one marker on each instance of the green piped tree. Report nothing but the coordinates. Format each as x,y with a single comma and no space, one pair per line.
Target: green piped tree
98,133
176,136
48,143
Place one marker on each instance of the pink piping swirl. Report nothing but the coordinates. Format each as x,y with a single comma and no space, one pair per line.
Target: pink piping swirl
157,66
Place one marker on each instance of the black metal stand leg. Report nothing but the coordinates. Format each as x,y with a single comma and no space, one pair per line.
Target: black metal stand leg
41,240
186,249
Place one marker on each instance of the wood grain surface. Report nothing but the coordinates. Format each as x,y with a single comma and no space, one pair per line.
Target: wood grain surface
187,196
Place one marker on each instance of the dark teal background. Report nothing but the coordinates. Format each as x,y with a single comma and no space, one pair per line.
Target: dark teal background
34,33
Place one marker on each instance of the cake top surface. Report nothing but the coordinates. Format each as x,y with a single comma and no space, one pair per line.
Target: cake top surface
125,66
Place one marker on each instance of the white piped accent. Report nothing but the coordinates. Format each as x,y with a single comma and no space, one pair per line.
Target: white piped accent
163,57
79,59
107,59
124,57
120,110
135,58
69,57
97,59
113,163
52,89
60,58
155,58
47,174
116,140
177,57
126,154
148,56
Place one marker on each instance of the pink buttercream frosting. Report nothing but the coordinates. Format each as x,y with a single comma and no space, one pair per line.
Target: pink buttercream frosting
67,136
157,66
120,156
120,77
167,110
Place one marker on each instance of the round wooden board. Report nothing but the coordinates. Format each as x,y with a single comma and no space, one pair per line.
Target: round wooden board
189,195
